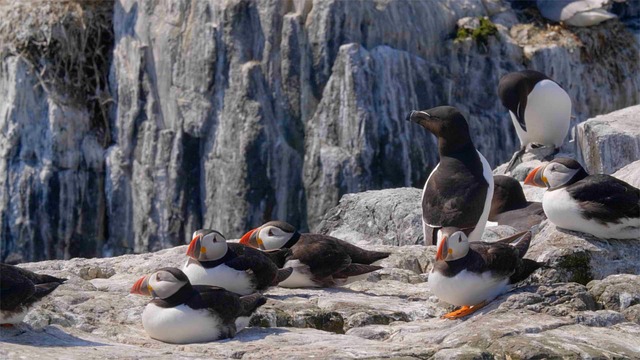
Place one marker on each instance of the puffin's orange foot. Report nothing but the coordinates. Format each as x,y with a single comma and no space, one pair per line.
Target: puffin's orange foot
6,325
464,311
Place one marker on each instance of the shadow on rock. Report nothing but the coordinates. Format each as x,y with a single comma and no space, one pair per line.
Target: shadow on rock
49,336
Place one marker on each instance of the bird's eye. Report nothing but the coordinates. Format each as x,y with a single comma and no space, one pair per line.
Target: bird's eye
270,232
459,239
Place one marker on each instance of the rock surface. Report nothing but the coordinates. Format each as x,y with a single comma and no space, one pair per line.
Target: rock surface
608,142
226,114
391,313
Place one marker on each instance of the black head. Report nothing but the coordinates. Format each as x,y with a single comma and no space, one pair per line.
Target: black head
513,86
284,226
507,195
447,123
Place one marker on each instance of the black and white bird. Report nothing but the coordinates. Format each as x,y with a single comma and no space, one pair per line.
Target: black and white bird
510,207
235,267
540,109
181,313
576,12
600,205
20,289
458,191
317,260
471,274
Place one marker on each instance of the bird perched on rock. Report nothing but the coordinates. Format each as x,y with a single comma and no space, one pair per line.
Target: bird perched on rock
241,269
20,289
317,260
576,12
540,109
510,207
182,313
600,205
471,274
458,191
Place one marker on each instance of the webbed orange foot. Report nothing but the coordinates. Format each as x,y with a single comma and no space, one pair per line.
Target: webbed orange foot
464,311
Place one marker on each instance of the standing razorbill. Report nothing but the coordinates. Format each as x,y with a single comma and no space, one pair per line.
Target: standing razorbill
181,313
600,205
540,109
20,289
458,191
317,260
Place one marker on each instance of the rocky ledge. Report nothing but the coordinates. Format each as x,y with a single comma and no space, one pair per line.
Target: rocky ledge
578,307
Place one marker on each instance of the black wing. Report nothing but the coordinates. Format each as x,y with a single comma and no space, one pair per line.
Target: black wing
253,259
454,195
225,304
522,219
323,254
15,289
606,199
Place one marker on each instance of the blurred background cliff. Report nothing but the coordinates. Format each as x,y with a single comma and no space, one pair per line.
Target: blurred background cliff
128,124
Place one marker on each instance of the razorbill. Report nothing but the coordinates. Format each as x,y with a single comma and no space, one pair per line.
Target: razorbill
471,274
576,12
540,109
510,207
458,191
20,289
317,260
235,267
181,313
600,205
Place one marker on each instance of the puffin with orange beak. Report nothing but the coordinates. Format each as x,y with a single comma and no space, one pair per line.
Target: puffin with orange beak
317,260
600,205
237,268
181,313
471,274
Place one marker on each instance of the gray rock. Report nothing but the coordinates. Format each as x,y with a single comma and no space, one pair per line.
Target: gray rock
385,217
616,292
372,317
226,114
608,142
630,173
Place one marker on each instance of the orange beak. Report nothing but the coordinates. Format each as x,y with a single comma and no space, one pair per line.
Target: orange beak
246,238
140,287
535,177
442,249
194,248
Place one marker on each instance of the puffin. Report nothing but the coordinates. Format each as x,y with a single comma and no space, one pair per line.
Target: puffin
581,13
510,207
459,190
471,274
20,289
235,267
317,260
181,313
540,109
600,205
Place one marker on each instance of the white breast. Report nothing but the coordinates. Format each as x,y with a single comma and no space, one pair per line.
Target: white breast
589,18
547,115
181,324
10,317
564,212
467,288
300,277
476,234
223,276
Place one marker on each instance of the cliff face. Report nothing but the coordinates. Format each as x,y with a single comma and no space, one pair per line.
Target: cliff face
228,114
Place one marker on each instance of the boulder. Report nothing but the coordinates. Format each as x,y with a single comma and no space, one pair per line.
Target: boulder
630,173
608,142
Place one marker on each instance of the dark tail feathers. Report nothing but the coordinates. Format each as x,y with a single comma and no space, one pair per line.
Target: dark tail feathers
249,303
527,268
282,275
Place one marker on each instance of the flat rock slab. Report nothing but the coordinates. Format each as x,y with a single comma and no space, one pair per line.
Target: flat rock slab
389,313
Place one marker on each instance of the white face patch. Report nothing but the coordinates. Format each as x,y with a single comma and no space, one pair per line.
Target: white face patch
273,237
457,243
163,284
213,246
557,175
